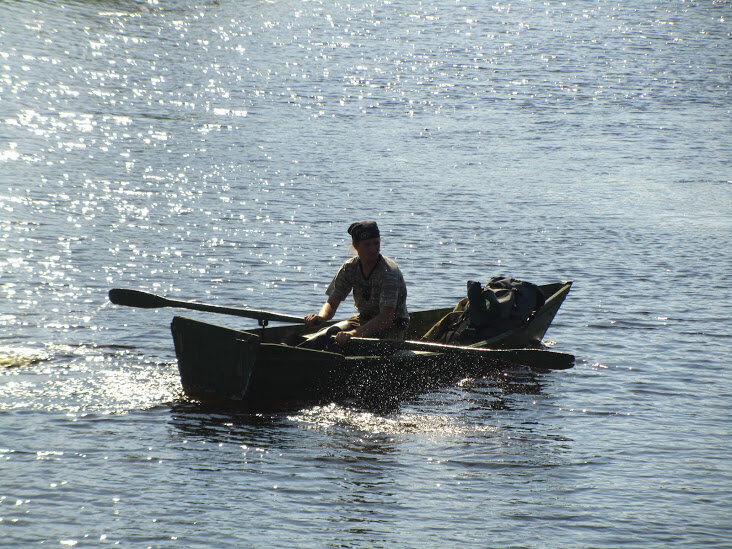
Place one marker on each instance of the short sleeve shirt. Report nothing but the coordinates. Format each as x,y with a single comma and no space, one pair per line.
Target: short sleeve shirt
385,287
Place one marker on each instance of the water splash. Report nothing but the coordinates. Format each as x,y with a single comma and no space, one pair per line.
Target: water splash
337,416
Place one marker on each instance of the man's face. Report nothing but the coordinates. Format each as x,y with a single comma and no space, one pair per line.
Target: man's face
369,248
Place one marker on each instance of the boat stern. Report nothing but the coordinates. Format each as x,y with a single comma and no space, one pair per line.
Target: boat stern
214,362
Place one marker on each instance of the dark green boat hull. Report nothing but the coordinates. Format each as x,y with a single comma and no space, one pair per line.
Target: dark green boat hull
262,369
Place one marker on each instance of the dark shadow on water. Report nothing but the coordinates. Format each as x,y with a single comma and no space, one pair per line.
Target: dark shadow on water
496,392
216,424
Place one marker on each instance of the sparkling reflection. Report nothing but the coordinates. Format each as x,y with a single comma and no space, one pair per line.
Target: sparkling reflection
80,380
333,415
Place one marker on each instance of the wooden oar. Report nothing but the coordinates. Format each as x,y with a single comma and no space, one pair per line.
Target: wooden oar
536,358
136,298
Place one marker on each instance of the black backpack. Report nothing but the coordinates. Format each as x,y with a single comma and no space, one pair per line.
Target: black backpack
503,304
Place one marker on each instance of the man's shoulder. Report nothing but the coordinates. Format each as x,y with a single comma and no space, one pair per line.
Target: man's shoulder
351,262
389,264
350,266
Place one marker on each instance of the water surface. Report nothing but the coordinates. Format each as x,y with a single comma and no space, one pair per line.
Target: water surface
218,151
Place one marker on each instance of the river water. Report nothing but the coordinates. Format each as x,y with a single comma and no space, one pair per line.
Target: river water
218,150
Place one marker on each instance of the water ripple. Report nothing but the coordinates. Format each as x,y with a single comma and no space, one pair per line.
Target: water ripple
218,150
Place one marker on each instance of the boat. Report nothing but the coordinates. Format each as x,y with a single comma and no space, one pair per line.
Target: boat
264,368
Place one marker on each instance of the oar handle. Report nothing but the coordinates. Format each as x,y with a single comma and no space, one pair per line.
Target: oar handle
145,300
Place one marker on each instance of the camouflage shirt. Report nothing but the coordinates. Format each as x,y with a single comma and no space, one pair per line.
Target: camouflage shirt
385,287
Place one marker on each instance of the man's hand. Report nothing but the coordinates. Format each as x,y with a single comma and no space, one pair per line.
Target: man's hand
341,338
314,320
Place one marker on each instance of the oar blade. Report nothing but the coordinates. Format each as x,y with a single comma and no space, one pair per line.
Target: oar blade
145,300
136,298
540,359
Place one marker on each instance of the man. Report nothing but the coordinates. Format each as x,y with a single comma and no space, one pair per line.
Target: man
379,292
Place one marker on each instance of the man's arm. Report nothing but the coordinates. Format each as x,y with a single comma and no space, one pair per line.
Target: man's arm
327,311
373,326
